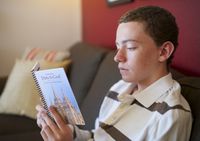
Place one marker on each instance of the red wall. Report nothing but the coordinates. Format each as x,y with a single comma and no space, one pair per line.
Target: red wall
100,23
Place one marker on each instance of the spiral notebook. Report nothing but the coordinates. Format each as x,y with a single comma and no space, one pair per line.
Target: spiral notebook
54,89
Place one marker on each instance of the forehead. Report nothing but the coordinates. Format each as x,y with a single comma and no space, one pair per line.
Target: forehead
130,31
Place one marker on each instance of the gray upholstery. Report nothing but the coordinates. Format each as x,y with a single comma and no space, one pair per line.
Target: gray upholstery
23,136
107,75
12,124
191,92
85,62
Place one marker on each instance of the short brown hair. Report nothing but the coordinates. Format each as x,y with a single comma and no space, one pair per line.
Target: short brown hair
159,23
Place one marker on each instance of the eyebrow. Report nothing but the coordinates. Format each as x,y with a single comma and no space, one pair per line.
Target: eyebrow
128,40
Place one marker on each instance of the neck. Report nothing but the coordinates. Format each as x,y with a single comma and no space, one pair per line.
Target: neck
147,82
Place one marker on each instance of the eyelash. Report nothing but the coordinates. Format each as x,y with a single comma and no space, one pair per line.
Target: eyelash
131,48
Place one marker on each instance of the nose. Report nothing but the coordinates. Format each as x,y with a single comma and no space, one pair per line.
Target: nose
120,55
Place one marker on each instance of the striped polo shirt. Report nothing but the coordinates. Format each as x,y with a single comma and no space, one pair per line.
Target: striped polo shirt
157,113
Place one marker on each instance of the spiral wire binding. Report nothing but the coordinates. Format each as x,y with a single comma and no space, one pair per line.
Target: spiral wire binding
44,104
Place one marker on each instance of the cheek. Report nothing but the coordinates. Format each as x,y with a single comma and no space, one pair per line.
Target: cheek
141,62
136,65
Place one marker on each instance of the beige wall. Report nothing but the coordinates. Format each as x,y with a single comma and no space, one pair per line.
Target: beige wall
36,23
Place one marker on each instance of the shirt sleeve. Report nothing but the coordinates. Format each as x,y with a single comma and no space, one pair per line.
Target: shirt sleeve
82,135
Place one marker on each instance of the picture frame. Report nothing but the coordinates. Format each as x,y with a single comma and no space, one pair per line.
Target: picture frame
117,2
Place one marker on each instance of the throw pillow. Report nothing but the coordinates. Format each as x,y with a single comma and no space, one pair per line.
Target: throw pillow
20,95
47,55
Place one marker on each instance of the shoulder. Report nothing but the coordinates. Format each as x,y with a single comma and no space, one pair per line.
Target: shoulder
174,105
175,99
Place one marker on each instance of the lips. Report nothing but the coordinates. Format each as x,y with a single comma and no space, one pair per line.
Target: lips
120,68
123,70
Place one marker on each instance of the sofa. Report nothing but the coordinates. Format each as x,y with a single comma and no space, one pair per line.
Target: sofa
91,73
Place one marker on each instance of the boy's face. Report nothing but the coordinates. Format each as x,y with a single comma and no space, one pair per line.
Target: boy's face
137,55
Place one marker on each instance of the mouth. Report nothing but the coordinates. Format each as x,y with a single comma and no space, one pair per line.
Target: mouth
122,70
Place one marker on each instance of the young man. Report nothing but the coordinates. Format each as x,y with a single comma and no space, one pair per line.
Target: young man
146,105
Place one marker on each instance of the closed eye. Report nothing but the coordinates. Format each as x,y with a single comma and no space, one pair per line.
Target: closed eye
131,48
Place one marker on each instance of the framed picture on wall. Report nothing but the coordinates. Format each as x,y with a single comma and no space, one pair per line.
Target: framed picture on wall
117,2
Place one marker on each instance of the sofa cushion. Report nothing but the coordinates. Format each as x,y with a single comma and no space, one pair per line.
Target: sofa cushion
107,75
86,59
39,54
14,124
20,95
191,91
25,136
176,74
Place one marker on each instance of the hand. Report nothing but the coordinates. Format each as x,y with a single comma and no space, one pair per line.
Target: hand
40,111
58,131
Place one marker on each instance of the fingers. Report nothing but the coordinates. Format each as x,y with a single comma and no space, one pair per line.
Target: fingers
40,110
43,133
46,131
39,122
49,122
44,136
38,107
53,130
57,117
49,128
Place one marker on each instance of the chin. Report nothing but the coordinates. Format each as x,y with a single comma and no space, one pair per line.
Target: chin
128,79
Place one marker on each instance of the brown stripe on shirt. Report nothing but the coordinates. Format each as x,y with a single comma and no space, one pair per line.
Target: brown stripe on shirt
113,95
162,108
114,132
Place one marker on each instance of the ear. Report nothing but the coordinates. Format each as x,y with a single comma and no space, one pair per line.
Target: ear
165,51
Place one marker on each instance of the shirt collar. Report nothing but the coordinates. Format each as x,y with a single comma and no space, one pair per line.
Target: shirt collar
125,93
150,94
